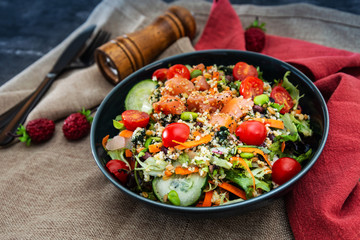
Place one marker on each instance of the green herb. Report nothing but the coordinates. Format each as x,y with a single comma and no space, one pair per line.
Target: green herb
222,134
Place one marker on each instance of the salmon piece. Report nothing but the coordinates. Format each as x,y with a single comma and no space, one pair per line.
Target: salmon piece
202,102
238,107
222,119
201,84
177,85
169,105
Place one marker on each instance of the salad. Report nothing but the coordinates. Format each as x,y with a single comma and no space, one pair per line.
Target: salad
209,135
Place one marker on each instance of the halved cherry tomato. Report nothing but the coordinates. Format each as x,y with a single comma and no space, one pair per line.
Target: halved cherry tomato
161,74
119,169
284,169
251,132
175,131
243,70
282,97
251,87
178,70
133,119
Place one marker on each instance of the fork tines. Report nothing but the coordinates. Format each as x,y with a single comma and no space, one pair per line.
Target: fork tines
100,38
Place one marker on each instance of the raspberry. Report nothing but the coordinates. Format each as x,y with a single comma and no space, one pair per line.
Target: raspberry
77,125
36,131
255,36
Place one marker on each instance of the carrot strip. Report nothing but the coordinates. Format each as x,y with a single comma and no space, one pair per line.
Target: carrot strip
168,173
156,147
186,171
104,141
257,151
128,153
212,90
298,111
242,161
274,123
199,204
216,75
196,133
191,144
282,146
231,188
207,199
126,133
139,149
267,171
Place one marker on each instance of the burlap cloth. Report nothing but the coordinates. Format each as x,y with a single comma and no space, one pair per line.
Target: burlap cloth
55,190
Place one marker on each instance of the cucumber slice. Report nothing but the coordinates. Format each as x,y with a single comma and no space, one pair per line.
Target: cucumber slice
188,188
138,96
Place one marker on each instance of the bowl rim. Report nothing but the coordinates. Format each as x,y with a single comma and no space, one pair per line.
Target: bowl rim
242,204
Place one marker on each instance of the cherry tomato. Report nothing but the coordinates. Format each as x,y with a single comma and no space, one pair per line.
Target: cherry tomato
119,169
284,169
175,131
251,132
243,70
178,70
134,119
281,96
251,87
160,74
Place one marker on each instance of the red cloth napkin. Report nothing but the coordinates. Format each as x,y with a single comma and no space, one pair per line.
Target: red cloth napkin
326,202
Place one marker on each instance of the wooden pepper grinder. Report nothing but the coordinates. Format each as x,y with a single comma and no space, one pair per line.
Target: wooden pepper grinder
124,55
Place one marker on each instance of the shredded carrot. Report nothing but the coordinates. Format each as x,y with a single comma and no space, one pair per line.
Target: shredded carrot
193,80
191,144
128,153
104,140
186,171
139,149
231,188
282,146
207,199
208,68
168,173
274,123
216,75
126,133
156,147
212,90
255,150
244,164
196,133
298,111
199,204
267,171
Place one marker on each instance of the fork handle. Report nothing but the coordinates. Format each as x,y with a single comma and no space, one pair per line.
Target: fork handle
9,129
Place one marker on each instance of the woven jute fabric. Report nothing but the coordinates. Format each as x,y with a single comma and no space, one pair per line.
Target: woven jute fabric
56,191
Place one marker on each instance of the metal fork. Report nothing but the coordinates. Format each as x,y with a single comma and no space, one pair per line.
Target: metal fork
85,59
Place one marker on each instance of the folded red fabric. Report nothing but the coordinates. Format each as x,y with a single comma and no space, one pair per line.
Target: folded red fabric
326,202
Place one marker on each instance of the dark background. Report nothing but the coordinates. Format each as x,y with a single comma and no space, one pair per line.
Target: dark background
29,29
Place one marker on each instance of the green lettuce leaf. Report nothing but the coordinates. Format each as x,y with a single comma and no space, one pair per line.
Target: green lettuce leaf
293,91
304,156
245,182
303,126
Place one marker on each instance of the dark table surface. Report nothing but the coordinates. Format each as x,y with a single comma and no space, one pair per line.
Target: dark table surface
30,29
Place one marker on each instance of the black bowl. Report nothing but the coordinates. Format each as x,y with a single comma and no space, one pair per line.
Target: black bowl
313,104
